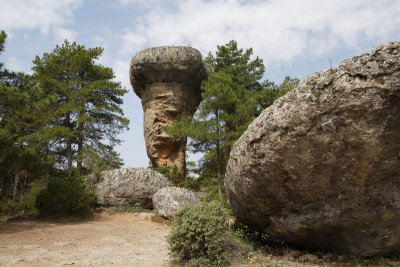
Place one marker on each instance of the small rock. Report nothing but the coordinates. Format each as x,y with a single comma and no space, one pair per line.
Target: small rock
288,258
308,258
169,199
294,253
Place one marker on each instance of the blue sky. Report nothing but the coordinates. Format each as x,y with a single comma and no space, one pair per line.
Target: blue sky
293,37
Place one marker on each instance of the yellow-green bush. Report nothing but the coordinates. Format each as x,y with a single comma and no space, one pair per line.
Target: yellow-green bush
199,234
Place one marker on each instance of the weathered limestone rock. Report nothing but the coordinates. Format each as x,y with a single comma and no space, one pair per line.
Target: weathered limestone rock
133,186
320,168
168,80
169,199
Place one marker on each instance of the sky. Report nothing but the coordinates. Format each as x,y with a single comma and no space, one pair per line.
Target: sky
293,37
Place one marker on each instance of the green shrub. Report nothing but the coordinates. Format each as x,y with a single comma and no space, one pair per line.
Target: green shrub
25,204
199,234
66,196
172,173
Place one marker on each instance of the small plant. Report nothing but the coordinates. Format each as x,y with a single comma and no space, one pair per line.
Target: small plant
66,196
333,70
381,80
199,234
317,117
317,94
286,130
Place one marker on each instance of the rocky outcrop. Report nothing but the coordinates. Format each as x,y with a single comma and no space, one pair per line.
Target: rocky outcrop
169,199
127,186
167,79
320,168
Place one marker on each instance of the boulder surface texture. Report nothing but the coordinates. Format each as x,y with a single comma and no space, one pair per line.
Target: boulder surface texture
168,80
128,186
320,168
169,199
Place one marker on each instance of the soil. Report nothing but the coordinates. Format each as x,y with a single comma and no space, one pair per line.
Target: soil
128,239
118,239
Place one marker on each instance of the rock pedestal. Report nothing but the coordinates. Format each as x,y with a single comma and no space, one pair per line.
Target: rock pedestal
168,80
320,168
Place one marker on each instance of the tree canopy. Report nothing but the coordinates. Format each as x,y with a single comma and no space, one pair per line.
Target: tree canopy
82,105
68,113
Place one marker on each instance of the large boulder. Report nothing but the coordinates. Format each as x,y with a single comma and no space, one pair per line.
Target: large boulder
169,199
128,186
168,80
320,168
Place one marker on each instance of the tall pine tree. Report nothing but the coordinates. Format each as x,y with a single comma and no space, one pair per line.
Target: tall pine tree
82,106
20,161
224,104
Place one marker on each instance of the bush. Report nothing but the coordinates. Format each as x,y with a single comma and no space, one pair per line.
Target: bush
25,204
172,173
66,196
199,234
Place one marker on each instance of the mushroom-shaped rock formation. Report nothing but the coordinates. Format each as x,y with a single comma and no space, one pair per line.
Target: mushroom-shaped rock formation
168,80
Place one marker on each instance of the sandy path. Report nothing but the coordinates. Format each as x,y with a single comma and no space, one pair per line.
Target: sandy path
120,239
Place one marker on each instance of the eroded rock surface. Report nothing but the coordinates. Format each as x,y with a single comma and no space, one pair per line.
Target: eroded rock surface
168,80
128,186
320,168
169,199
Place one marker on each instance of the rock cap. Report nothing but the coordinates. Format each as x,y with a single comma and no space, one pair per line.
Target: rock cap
165,64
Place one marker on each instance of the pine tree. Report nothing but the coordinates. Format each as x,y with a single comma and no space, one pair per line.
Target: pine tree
243,70
209,126
81,104
20,161
232,97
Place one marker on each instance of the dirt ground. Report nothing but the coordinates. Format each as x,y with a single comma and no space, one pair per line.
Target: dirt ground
118,239
124,239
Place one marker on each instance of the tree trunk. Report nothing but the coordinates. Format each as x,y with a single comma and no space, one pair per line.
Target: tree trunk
218,158
80,143
69,143
15,187
219,173
4,187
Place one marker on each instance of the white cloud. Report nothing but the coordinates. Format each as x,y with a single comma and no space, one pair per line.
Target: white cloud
143,3
121,70
61,34
14,64
37,14
278,30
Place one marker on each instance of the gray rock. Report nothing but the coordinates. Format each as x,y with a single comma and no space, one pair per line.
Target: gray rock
320,168
308,258
167,79
169,199
128,186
